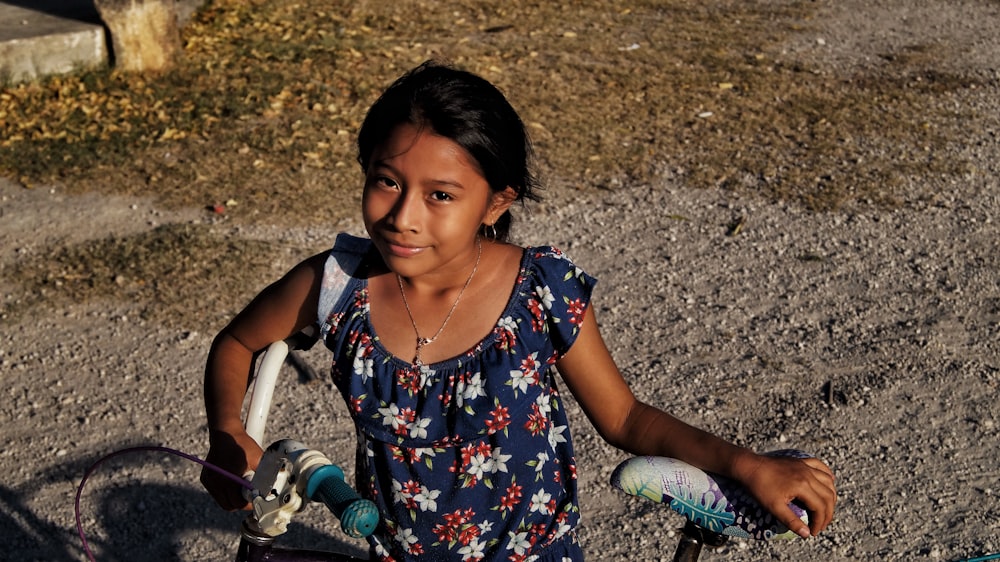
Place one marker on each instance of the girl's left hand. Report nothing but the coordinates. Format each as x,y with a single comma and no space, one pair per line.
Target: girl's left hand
777,481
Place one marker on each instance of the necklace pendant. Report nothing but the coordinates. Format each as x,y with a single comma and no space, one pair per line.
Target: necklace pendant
421,342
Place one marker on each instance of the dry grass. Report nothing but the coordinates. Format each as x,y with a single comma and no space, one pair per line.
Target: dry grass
264,106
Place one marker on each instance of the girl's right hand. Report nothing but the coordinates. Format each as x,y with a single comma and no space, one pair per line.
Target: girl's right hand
236,453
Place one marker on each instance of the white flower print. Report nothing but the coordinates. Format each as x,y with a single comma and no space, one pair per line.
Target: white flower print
479,465
527,375
544,404
474,388
556,435
473,551
545,297
542,457
398,495
519,542
520,380
363,367
418,429
421,452
427,499
391,416
499,461
426,375
406,538
507,323
540,501
562,528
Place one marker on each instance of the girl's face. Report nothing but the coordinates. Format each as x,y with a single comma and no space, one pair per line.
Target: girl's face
424,201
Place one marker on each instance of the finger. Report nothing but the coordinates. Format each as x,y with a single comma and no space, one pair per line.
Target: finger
821,466
228,495
829,501
824,495
819,504
787,517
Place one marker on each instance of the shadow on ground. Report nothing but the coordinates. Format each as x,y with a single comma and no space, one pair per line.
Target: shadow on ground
126,519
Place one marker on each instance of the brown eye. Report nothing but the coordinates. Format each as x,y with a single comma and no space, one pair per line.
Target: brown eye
386,182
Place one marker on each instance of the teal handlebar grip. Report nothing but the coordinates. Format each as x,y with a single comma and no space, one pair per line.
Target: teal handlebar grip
358,517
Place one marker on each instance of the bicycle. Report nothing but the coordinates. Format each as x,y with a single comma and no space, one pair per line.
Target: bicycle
290,475
715,507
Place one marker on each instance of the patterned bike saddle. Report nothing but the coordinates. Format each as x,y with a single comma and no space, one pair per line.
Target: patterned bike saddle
710,501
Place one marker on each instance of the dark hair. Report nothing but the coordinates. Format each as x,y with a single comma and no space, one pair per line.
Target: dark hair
465,108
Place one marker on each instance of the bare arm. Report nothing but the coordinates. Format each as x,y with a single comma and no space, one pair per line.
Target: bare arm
641,429
279,311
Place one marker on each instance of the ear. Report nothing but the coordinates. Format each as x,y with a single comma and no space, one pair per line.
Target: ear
500,201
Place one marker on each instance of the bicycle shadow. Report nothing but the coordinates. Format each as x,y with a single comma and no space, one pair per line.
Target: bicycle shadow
127,519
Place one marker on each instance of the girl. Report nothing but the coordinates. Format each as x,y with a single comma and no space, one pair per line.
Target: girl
444,342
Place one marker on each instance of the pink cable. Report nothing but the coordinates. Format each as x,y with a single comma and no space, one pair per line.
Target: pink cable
145,448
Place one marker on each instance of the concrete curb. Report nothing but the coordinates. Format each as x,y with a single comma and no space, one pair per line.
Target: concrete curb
44,37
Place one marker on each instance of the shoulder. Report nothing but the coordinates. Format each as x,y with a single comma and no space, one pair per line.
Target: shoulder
550,261
351,244
550,276
347,254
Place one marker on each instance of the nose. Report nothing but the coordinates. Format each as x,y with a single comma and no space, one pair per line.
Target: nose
406,212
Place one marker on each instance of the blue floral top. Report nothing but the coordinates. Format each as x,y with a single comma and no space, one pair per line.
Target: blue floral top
469,458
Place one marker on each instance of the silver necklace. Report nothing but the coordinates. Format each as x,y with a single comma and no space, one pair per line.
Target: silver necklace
422,341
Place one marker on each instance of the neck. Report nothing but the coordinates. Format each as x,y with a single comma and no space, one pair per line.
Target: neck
424,340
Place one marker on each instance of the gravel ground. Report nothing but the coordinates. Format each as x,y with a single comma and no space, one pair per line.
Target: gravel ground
868,337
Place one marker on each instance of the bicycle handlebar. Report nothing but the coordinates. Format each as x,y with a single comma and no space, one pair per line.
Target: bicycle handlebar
358,517
288,471
262,390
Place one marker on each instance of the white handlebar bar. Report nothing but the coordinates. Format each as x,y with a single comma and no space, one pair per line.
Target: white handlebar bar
263,390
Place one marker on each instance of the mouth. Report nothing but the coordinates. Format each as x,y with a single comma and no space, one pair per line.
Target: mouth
401,250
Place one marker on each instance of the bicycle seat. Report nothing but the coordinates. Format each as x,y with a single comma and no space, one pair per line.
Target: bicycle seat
710,501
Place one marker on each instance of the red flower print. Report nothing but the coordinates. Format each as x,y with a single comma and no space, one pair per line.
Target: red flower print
445,533
468,451
468,533
511,498
575,309
484,449
505,338
537,422
537,315
500,420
